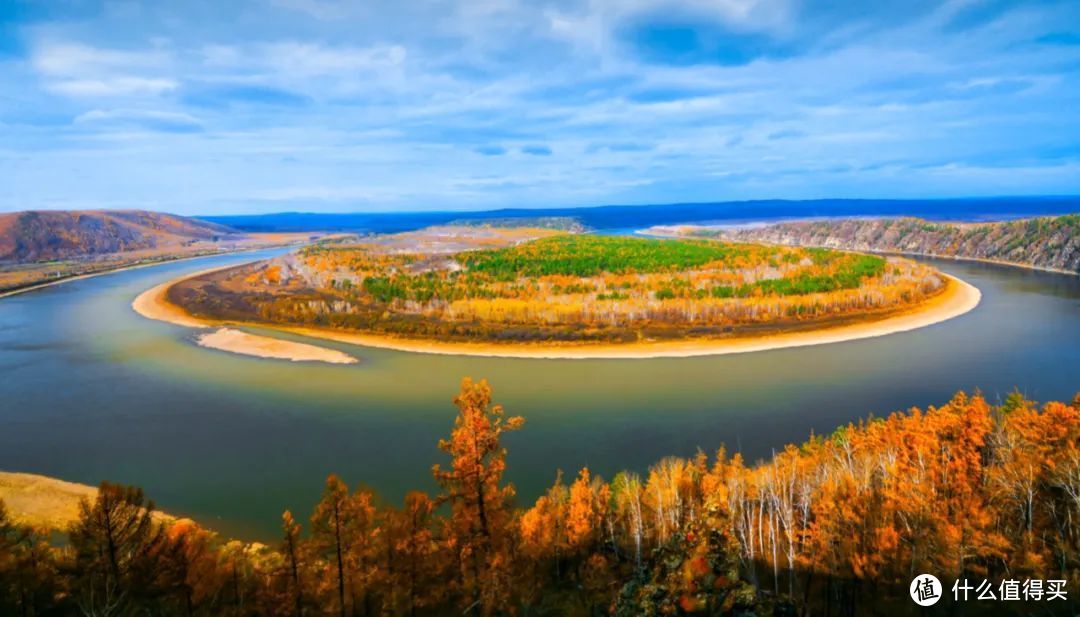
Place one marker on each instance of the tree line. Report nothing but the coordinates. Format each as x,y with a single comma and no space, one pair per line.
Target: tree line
567,288
835,526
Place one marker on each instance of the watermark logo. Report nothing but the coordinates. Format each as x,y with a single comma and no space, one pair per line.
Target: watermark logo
925,590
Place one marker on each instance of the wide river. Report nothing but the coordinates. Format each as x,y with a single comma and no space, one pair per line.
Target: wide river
91,391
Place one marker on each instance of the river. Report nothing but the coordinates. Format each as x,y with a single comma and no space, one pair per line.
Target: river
91,391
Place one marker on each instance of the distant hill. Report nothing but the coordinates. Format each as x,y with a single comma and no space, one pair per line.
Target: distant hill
56,235
561,223
638,217
1045,242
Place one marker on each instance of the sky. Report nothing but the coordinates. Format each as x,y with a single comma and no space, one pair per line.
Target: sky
210,107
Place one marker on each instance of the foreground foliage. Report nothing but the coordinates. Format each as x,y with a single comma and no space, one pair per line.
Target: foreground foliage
834,526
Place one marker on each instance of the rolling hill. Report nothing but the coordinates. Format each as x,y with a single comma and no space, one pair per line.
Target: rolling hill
35,236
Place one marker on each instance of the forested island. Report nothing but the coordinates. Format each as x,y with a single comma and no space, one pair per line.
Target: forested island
1050,243
543,286
837,525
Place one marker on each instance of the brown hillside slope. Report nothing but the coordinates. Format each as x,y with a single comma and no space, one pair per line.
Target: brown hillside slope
53,235
1051,243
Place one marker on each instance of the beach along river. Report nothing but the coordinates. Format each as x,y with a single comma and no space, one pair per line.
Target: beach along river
90,391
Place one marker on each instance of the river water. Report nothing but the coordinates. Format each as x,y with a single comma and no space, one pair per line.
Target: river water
91,391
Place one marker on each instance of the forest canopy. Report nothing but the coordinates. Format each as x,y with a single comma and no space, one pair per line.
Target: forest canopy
563,287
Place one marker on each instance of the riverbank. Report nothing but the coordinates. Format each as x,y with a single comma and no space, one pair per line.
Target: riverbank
48,503
959,297
154,304
124,267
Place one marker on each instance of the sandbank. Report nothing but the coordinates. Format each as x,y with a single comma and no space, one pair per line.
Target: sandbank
154,304
228,339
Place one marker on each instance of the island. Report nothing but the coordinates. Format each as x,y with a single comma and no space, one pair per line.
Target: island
542,292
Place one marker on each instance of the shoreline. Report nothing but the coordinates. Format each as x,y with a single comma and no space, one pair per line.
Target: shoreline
153,304
958,298
49,502
134,266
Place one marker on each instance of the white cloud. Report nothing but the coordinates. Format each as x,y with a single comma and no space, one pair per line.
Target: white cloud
318,70
109,115
319,9
78,70
75,59
111,86
309,59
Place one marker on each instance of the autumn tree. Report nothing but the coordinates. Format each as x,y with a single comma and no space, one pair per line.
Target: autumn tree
340,526
695,571
290,550
365,530
244,569
590,540
117,549
833,526
413,560
626,492
30,581
480,502
9,533
189,569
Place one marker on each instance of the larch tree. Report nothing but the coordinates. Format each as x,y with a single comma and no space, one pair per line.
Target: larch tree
480,502
331,527
117,547
290,549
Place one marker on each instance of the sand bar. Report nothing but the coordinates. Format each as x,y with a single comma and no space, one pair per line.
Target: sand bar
154,304
959,297
228,339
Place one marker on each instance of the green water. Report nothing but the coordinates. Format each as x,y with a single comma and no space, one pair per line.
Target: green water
92,391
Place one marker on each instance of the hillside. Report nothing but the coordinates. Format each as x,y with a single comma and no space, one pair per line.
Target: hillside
44,247
55,235
1049,242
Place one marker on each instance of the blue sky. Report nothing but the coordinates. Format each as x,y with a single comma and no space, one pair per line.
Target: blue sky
211,107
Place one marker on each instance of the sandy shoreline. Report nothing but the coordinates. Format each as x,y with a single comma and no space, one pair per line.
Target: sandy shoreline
153,304
48,503
959,297
227,339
